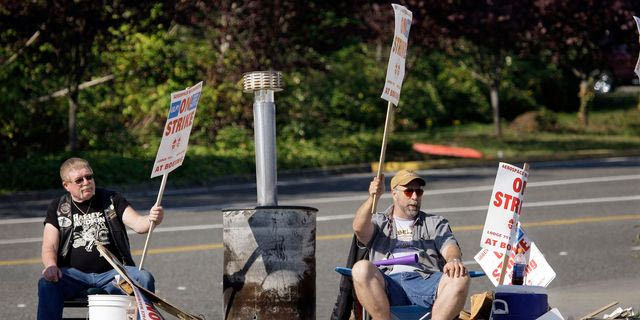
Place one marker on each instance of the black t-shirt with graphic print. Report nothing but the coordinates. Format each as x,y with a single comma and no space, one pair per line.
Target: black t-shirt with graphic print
89,224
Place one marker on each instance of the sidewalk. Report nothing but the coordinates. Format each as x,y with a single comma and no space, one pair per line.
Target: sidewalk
578,300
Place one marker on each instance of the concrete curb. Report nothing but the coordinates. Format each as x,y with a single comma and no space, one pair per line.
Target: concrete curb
391,166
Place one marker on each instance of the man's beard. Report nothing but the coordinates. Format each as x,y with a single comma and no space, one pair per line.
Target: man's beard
412,211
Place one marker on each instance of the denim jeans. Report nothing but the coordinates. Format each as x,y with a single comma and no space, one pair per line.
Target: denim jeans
74,283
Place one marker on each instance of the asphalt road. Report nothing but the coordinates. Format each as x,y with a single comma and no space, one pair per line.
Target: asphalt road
583,215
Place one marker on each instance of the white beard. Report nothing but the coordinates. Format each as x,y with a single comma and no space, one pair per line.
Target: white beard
411,211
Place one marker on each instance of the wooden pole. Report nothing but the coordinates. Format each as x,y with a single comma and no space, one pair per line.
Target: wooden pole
594,313
151,224
507,254
383,150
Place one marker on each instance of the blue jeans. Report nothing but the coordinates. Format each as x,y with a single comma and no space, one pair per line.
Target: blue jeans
410,288
74,283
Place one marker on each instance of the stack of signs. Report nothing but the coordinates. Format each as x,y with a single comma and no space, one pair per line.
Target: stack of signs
502,233
146,301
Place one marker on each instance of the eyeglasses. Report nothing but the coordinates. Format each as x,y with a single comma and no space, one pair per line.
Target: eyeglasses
409,192
80,180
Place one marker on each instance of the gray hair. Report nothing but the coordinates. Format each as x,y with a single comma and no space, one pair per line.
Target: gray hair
71,164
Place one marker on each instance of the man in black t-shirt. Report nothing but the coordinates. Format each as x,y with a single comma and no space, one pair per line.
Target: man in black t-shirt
74,222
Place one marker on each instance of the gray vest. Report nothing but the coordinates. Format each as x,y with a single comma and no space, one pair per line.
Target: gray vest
431,234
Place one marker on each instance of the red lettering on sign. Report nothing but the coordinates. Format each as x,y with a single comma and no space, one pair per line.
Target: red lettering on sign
399,47
517,185
173,163
532,265
498,201
507,198
515,205
168,129
490,242
507,202
184,104
153,315
504,245
178,124
404,24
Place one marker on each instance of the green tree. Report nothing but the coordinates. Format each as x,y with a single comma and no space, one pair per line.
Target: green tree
72,36
580,36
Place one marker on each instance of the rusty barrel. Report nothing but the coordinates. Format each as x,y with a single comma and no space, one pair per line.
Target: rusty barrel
269,263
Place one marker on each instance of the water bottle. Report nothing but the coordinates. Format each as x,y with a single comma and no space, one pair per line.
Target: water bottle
517,278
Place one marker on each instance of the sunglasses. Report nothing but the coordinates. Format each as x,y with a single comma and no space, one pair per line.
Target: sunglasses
409,192
80,180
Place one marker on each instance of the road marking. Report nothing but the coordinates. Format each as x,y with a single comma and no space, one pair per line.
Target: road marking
388,196
23,240
213,246
350,216
481,188
20,262
176,249
21,220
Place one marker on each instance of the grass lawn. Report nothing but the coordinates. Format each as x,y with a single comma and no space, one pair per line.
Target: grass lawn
608,133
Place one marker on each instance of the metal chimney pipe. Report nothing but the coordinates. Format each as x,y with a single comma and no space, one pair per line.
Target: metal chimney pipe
263,84
269,251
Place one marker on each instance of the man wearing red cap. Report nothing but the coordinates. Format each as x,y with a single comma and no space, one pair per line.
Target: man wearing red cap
438,281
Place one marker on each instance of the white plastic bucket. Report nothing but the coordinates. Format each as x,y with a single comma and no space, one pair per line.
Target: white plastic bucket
112,307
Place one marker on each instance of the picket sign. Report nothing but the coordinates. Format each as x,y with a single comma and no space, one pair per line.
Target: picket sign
175,141
177,129
502,234
146,309
637,68
395,76
398,54
537,273
505,205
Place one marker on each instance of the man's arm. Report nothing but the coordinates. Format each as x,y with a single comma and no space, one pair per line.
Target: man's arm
454,267
362,226
50,243
139,223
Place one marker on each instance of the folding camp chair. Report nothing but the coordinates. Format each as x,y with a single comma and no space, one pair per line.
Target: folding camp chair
411,312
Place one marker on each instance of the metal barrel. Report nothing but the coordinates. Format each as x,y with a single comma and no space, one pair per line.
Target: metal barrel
269,263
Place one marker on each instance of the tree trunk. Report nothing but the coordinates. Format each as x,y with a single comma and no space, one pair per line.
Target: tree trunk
73,111
495,105
585,96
